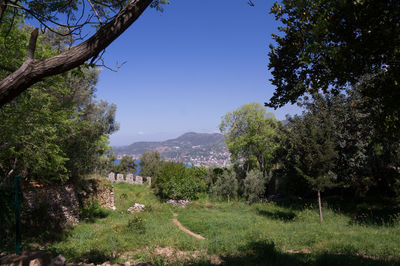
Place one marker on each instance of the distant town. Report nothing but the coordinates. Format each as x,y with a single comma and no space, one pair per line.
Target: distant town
198,149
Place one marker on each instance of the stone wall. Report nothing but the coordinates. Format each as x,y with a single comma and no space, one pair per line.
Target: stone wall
58,205
50,204
130,179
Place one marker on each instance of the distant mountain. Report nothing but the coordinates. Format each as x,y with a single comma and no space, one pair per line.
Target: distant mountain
196,148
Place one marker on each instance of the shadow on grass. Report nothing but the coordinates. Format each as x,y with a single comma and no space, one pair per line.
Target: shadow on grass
370,212
264,253
278,215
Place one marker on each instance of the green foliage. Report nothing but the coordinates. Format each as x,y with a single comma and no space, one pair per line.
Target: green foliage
176,181
150,163
126,165
251,135
136,224
226,185
328,45
56,130
92,211
254,186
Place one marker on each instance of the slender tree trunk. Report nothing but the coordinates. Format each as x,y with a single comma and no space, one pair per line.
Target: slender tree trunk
320,207
228,198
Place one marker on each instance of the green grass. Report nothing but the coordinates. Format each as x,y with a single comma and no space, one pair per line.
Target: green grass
236,234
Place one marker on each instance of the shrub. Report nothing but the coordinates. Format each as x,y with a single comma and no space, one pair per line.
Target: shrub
254,185
226,185
136,224
92,211
176,181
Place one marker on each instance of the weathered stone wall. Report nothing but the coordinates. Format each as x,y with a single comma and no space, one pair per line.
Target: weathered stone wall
49,204
96,189
58,205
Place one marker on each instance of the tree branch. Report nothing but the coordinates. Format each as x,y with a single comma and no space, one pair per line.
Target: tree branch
95,11
32,44
33,71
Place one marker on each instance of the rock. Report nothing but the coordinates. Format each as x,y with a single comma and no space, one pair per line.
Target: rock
58,261
181,203
35,262
136,208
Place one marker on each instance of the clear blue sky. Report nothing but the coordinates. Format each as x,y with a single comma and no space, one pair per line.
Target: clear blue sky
187,67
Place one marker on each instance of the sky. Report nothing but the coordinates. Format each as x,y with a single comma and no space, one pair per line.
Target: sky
187,67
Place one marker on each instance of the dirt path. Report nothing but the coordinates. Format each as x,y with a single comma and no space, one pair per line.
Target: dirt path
180,226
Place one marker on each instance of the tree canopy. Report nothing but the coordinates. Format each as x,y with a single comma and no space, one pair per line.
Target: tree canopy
333,45
251,136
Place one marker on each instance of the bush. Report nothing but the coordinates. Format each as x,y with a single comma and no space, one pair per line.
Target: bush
254,186
92,211
226,185
136,224
176,181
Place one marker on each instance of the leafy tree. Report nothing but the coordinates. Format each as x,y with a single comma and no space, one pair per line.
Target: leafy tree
254,185
331,45
126,165
251,136
176,181
56,130
312,150
150,163
226,185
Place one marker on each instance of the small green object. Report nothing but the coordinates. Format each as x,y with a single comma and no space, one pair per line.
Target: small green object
17,185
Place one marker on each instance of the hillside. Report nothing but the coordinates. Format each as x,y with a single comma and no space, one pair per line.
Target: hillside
195,148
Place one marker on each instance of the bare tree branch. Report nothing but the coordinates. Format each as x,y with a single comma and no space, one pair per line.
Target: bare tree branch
95,11
33,71
32,44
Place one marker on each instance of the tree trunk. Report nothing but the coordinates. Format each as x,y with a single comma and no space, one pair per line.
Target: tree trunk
320,207
228,198
32,71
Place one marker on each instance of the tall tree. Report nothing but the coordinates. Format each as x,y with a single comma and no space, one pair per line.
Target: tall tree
251,136
312,149
331,45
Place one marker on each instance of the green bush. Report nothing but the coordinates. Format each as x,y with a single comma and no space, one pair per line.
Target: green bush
226,185
136,224
176,181
254,186
92,211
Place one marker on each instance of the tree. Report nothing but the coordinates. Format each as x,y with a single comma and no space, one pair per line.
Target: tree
226,185
126,165
312,150
331,45
150,163
251,136
254,185
33,70
56,130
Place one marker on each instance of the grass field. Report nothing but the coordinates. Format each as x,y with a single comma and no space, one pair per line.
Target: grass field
236,234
